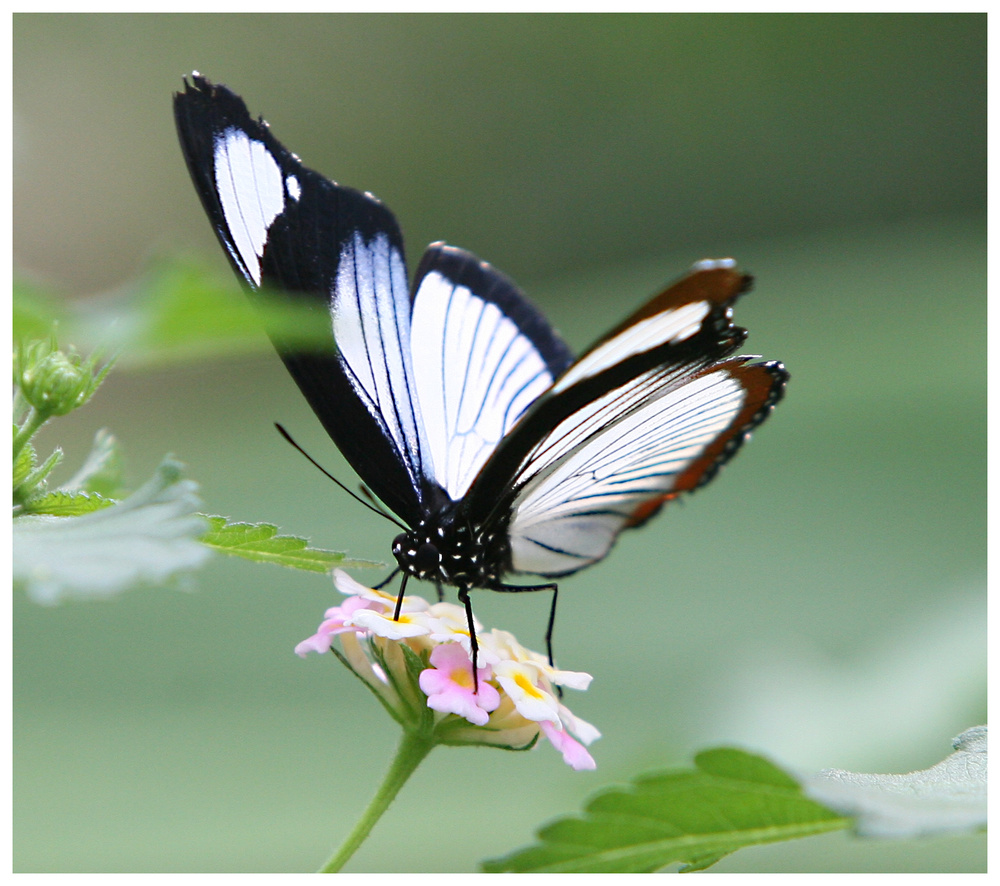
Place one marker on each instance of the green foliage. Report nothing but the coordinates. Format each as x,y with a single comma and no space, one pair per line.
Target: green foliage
950,797
25,463
47,382
177,311
63,503
36,311
101,473
260,542
77,541
731,799
55,382
149,538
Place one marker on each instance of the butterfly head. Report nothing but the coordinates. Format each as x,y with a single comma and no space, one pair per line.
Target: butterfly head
444,549
421,559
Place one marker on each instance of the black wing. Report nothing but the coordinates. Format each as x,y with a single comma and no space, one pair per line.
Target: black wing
416,404
290,230
652,410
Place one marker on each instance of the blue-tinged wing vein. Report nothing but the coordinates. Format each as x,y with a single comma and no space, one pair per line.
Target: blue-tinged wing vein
589,475
476,372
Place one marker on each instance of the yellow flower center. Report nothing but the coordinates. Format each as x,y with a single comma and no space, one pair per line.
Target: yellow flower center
462,677
526,685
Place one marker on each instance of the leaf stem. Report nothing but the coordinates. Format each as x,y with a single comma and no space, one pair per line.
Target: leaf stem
413,747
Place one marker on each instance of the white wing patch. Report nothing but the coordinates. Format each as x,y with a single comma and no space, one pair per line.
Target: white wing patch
588,476
371,327
668,326
252,193
476,373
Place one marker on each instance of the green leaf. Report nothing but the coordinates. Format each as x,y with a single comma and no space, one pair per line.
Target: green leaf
32,484
102,471
178,310
65,503
261,542
950,797
24,464
731,799
149,538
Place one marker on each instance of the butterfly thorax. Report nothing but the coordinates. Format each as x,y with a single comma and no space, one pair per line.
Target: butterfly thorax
445,548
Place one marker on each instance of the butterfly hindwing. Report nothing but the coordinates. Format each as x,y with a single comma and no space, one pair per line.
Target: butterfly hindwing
650,411
612,466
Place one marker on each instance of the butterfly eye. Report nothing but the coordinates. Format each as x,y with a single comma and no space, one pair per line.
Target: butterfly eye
428,558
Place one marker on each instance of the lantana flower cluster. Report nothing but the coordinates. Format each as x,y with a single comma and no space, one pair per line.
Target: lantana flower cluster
420,668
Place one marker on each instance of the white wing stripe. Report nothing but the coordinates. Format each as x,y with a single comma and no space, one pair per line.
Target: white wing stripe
591,473
371,329
667,326
476,373
657,440
251,191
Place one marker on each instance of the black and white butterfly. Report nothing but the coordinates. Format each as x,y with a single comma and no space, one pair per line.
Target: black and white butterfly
454,399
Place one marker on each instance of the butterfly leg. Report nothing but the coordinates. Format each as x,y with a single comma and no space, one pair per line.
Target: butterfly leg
399,599
463,596
386,580
552,586
440,592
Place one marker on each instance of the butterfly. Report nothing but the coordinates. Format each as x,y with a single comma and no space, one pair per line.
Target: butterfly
454,399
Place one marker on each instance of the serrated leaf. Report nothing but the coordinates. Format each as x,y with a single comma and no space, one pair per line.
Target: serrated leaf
102,471
149,538
25,463
63,503
731,799
261,542
949,797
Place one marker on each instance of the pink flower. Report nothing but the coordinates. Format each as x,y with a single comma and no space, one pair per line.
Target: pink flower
574,753
448,685
420,661
334,623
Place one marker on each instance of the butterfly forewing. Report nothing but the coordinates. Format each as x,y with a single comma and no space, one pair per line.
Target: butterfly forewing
697,304
289,230
481,356
417,403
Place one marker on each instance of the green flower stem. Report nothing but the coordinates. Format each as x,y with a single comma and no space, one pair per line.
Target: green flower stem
32,423
412,750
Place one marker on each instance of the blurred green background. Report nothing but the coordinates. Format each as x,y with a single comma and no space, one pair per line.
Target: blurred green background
822,602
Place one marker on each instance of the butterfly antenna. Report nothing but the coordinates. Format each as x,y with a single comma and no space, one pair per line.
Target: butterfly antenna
316,464
375,503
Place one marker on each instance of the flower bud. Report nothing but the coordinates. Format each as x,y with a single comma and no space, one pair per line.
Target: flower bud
55,382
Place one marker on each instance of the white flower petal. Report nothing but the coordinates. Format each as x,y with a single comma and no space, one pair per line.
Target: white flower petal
385,626
352,588
519,682
584,731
